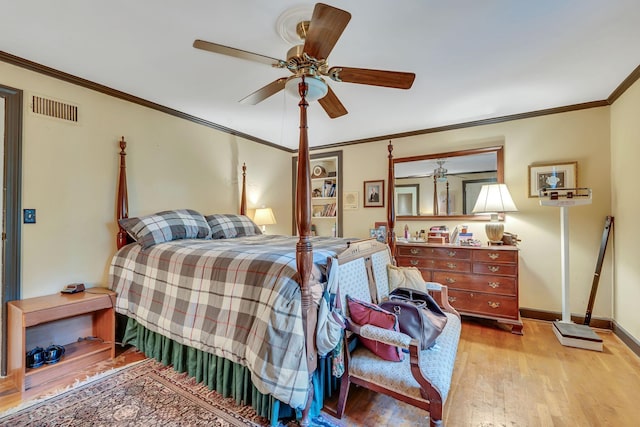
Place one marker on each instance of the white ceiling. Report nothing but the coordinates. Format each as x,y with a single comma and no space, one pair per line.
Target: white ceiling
473,59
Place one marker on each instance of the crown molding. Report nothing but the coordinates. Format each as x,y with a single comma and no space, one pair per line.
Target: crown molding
51,72
69,78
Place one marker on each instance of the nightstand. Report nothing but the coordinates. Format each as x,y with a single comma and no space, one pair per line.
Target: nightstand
56,318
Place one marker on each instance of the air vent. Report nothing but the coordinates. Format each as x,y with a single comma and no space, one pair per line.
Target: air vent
55,109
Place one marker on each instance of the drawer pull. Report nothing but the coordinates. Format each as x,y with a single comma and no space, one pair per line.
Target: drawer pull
452,265
413,261
452,299
494,284
415,251
493,268
493,304
450,280
452,253
494,255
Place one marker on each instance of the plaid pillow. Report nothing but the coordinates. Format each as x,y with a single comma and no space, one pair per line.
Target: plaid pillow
227,226
166,226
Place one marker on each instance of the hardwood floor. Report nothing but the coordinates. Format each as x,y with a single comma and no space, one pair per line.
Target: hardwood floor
501,379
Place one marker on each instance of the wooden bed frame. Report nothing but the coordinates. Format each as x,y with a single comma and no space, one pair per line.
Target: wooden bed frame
304,248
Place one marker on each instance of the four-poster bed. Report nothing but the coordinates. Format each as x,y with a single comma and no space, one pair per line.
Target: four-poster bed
163,325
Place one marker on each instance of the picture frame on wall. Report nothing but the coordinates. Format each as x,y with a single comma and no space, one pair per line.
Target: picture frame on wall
552,175
350,200
374,194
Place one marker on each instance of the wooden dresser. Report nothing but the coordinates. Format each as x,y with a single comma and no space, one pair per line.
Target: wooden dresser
482,281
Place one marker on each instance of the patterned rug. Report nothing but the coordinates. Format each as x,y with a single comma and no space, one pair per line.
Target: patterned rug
146,394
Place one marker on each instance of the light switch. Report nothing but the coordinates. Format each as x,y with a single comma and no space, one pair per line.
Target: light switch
29,216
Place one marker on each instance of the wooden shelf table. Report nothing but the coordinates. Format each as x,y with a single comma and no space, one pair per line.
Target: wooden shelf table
24,316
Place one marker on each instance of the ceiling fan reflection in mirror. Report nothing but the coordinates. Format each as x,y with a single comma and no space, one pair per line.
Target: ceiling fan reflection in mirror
308,59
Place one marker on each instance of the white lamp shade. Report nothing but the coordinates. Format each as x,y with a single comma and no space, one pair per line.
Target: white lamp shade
317,88
264,216
494,198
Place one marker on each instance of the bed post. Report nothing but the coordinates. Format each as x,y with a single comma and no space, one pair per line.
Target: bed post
304,248
391,212
122,203
243,200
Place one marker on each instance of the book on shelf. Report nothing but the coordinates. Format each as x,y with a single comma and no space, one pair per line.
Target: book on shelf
329,210
328,189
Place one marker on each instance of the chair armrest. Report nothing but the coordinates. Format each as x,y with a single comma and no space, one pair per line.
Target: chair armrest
386,336
444,296
382,335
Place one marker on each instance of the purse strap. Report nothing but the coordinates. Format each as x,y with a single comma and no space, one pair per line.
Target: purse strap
334,283
417,303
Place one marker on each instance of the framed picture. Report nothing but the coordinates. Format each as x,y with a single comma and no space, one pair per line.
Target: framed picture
380,233
552,175
350,200
374,194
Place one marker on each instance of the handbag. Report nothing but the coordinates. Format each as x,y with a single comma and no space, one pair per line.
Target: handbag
419,315
331,321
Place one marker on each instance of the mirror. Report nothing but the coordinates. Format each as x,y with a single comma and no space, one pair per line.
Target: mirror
445,184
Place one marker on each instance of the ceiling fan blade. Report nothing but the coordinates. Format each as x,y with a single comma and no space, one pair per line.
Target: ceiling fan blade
236,53
264,92
326,25
393,79
332,104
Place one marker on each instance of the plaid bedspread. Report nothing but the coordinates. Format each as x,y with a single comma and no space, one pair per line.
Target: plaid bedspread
236,298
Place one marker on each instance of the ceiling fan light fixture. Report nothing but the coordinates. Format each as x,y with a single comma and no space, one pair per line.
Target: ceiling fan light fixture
317,88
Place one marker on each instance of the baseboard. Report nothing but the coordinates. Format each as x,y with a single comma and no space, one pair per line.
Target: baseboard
552,316
599,323
626,338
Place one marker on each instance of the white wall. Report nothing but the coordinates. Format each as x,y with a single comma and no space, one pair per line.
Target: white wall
581,136
70,173
625,153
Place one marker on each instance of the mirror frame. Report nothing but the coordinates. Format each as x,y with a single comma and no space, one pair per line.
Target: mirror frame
499,150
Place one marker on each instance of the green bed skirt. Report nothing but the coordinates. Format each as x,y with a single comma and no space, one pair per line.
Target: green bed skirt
225,377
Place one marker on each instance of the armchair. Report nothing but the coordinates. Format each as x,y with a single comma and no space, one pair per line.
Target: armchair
423,378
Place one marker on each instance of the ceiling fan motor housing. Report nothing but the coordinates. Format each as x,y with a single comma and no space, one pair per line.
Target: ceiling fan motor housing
298,62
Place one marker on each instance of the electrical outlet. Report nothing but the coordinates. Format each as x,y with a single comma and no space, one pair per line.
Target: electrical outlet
29,216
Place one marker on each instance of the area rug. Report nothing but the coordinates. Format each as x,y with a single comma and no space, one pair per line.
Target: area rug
147,394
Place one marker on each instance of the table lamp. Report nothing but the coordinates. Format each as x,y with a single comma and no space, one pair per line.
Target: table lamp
264,217
494,199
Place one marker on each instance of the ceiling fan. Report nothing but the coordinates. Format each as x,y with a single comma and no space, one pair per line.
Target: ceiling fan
309,59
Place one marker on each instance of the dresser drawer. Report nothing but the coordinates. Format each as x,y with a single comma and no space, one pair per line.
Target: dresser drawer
495,268
452,265
413,251
406,261
431,252
491,305
451,253
495,256
480,283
